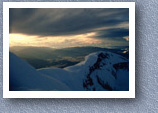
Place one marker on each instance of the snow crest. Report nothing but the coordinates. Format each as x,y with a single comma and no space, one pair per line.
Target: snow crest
100,71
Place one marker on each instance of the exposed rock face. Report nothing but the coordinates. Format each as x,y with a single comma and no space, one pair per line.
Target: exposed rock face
101,71
105,68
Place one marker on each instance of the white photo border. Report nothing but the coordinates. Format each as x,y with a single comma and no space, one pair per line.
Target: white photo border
68,94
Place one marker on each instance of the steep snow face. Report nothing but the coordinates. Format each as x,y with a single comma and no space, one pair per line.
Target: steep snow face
109,72
101,71
24,77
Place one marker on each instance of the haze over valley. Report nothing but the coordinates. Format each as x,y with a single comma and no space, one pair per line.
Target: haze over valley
69,49
42,57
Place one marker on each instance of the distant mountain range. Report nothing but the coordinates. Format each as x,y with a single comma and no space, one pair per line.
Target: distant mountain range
100,71
41,57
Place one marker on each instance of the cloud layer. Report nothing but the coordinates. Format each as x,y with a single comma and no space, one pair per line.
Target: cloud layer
107,23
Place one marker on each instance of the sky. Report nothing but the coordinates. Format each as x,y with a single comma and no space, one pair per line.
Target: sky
68,27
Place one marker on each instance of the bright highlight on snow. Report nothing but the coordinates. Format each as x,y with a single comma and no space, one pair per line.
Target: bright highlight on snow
101,71
69,49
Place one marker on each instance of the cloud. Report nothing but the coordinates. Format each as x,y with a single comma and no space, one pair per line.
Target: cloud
113,34
59,22
54,42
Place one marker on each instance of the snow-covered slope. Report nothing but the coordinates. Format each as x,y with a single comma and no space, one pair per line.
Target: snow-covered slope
100,71
24,77
109,72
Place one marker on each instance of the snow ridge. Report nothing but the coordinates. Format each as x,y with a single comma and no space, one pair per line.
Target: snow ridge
100,71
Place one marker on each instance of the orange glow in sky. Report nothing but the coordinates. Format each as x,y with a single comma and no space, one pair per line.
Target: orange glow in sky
54,41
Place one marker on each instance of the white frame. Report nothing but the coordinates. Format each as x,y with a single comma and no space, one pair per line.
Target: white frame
68,94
